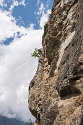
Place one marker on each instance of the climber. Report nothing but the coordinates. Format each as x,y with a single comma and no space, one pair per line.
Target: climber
41,56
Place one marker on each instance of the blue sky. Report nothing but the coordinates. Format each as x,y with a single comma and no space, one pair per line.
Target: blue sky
31,9
21,29
26,13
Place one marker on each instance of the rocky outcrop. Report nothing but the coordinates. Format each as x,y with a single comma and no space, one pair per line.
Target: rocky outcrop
56,91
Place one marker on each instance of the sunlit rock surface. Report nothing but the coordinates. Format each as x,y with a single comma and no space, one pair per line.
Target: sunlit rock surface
56,91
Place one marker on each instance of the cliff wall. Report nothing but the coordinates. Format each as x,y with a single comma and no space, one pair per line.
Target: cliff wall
56,91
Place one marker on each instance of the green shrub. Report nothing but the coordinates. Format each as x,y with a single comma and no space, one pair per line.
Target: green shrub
36,53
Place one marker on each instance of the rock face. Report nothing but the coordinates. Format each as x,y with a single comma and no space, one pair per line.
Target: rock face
56,91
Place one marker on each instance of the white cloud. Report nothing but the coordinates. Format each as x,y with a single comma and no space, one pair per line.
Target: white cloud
8,27
23,2
1,2
42,14
13,3
38,2
44,18
17,68
16,3
41,9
